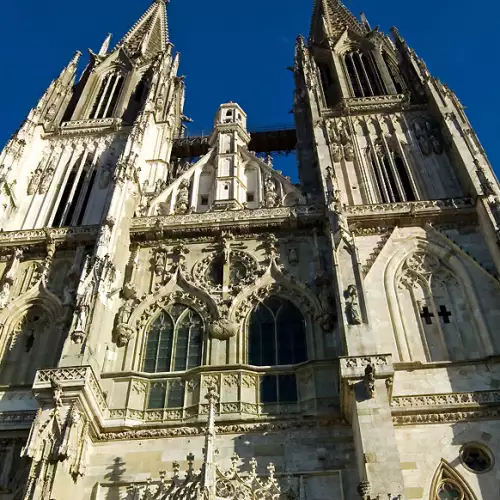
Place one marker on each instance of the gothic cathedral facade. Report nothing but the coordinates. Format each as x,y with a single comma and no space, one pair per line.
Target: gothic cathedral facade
180,321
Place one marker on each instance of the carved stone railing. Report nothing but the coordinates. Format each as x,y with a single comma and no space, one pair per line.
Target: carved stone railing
238,393
451,399
199,222
448,407
371,104
98,124
81,233
74,378
353,367
409,207
398,213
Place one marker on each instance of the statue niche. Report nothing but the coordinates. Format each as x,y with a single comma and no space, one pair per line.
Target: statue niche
26,348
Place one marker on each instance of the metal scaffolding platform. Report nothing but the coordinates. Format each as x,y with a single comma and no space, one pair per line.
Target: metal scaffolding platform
267,141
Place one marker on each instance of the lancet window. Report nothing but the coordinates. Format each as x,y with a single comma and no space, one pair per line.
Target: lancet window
174,341
107,96
78,188
395,74
277,336
435,311
363,74
392,180
136,101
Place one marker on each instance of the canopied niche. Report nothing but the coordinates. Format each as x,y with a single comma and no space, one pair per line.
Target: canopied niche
28,346
435,311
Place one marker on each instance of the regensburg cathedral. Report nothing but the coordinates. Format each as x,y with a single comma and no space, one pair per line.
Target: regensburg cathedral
179,321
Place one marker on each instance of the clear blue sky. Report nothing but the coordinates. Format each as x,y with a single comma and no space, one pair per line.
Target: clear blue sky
238,51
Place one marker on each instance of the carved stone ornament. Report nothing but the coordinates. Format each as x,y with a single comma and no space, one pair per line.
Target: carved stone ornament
124,334
222,329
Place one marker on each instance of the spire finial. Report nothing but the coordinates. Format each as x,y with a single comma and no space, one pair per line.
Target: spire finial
149,35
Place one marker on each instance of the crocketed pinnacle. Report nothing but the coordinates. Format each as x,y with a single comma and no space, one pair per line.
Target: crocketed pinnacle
337,18
149,35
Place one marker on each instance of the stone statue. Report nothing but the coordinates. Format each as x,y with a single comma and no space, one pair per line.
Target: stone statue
105,232
160,260
293,256
424,144
349,152
182,203
270,189
436,145
106,174
4,294
336,152
352,305
369,380
226,247
35,179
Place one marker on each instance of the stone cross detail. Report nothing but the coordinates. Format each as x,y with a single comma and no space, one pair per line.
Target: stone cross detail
427,315
445,314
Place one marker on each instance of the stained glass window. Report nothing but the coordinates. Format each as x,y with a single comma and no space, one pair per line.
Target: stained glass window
277,334
174,341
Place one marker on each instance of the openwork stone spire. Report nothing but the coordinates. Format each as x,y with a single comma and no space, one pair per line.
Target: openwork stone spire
331,18
149,35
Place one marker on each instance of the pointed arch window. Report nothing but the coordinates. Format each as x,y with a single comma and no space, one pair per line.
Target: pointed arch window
277,334
448,484
78,187
435,311
363,74
391,177
107,96
174,341
395,74
136,100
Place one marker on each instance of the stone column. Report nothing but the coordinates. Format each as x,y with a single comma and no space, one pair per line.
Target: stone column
365,393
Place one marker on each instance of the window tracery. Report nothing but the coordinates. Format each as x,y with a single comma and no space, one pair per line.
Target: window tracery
78,187
447,484
107,96
174,341
363,74
391,176
434,308
277,334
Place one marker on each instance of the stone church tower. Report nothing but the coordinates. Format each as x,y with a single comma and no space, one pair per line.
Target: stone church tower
180,321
